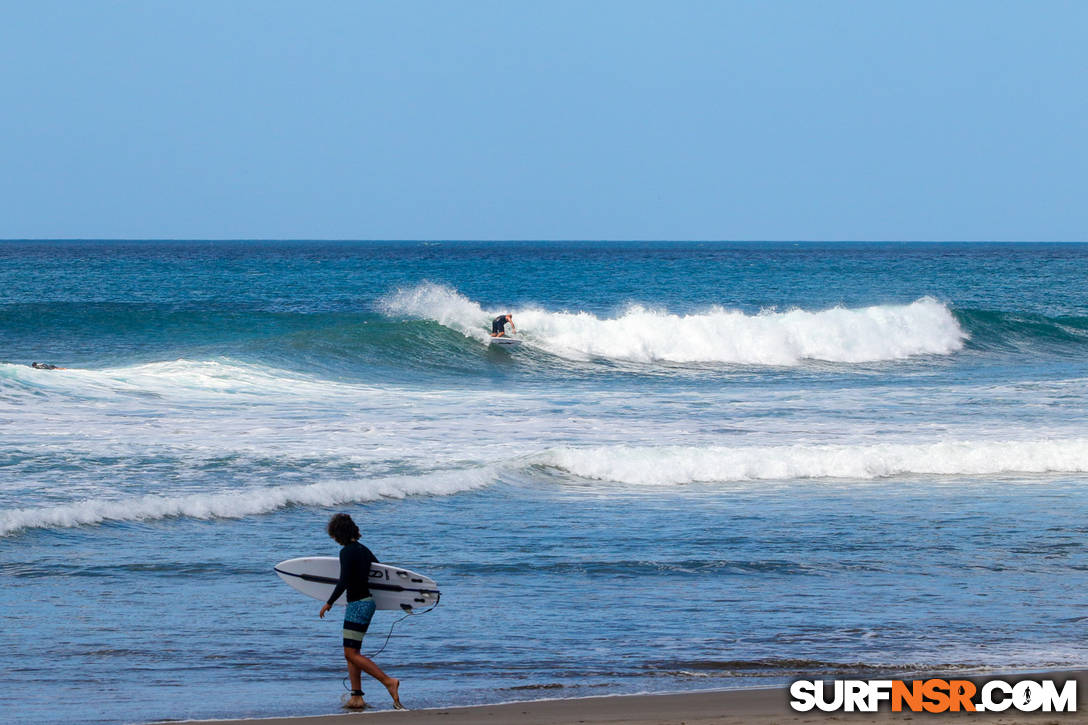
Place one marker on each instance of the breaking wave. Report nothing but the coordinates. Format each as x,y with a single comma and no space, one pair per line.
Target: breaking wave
714,335
663,465
629,465
240,502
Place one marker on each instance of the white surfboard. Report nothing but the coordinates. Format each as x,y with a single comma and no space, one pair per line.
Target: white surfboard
391,586
505,341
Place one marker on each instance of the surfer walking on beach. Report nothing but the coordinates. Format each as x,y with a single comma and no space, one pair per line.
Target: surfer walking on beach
498,325
355,561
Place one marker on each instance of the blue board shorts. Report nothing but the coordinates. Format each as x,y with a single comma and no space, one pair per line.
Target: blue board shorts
357,620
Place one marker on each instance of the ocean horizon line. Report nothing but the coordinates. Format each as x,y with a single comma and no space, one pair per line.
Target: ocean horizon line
530,240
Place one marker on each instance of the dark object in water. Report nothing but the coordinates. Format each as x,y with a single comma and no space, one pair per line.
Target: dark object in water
45,366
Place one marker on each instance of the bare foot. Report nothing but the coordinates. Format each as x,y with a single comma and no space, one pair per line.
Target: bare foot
394,687
355,702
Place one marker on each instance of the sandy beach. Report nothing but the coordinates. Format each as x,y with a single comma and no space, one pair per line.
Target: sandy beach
762,706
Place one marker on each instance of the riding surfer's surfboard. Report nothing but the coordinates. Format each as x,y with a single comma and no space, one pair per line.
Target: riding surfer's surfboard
392,587
505,341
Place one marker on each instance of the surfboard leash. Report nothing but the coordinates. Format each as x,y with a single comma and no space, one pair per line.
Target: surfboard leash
408,613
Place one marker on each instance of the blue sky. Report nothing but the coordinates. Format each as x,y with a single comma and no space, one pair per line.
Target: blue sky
545,120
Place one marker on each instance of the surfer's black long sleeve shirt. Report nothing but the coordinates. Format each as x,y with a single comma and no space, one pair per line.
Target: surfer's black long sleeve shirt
355,561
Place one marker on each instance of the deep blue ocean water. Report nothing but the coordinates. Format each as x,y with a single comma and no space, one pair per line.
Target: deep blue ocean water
709,465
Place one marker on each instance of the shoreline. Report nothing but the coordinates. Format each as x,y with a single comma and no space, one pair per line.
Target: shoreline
757,705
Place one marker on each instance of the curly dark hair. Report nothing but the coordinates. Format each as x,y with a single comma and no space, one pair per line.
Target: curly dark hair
343,529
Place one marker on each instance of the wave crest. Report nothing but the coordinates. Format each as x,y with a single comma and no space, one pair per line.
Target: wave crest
716,335
664,465
240,502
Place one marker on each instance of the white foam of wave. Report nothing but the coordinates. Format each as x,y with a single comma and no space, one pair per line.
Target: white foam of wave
444,305
242,502
640,334
682,464
174,378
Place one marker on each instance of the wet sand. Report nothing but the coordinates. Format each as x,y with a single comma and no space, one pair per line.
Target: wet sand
723,707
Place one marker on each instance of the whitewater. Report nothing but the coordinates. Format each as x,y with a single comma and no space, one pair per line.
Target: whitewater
817,451
195,420
715,335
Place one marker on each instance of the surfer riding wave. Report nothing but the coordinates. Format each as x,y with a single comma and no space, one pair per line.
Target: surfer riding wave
498,325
